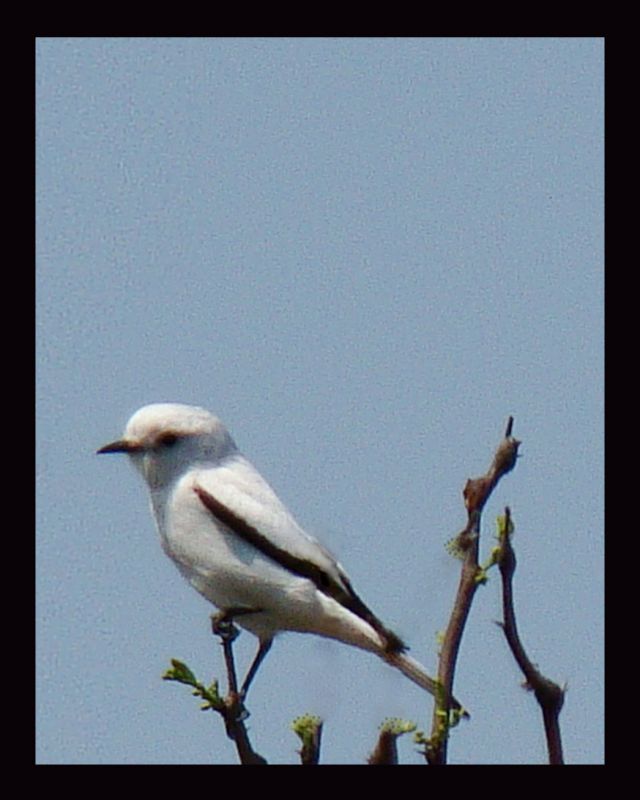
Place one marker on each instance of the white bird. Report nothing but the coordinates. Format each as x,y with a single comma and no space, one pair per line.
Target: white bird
236,543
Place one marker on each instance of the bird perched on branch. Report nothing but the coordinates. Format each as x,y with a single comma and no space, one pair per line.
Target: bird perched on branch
236,543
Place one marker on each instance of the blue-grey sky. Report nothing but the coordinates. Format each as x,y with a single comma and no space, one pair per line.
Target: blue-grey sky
363,254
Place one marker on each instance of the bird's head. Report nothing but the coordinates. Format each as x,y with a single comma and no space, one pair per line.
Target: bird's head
163,439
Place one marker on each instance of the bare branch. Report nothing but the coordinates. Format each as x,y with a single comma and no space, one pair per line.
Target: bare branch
549,695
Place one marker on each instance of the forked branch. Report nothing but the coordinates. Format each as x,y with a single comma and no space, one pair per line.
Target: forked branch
476,493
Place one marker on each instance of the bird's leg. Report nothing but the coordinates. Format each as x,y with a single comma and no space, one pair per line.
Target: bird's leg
222,623
222,626
263,649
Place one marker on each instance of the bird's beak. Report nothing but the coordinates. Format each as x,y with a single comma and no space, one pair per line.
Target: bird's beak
120,446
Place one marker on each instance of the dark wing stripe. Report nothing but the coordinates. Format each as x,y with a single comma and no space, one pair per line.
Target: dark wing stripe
392,642
300,566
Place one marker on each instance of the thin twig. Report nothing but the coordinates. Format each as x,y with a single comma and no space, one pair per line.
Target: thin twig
476,493
549,695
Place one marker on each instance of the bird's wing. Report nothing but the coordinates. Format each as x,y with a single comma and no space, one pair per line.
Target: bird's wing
239,497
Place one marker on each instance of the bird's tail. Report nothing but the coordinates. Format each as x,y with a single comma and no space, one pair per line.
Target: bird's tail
367,632
416,672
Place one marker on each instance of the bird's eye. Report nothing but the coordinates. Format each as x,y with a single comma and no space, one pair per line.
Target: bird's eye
168,439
